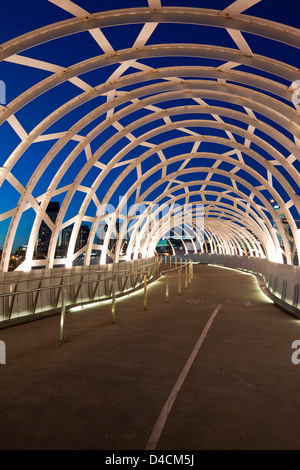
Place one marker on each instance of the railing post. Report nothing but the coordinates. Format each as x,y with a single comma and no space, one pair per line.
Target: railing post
113,304
179,281
190,272
145,292
14,295
186,275
167,288
62,313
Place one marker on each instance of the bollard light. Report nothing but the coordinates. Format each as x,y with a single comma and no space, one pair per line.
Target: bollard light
186,276
167,288
113,304
62,314
145,293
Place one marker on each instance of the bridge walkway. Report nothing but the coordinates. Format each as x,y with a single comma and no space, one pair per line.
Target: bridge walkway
227,384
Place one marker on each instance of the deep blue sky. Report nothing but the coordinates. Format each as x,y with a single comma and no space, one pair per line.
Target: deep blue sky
19,17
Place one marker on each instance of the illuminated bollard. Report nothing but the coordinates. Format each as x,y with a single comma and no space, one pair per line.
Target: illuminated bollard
62,314
179,281
167,288
145,293
186,276
113,304
190,272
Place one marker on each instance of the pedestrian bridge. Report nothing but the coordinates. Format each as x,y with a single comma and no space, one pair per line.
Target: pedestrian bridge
124,124
121,127
216,367
40,293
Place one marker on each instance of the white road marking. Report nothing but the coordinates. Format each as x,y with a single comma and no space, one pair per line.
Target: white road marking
161,421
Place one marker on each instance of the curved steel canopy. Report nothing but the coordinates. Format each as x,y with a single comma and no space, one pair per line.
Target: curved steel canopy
157,129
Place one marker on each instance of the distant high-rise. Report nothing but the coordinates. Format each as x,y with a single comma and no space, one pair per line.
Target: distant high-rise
45,232
65,236
63,241
82,237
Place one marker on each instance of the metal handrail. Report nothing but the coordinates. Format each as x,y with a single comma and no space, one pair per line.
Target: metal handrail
188,276
15,281
112,276
108,276
89,281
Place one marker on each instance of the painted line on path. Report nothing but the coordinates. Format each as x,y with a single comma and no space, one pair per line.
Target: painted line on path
163,416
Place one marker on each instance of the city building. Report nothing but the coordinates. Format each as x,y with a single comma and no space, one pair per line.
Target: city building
44,235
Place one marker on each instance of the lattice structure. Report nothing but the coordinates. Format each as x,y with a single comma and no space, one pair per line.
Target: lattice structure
147,117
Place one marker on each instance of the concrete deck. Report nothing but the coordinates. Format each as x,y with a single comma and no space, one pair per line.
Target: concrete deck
106,384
